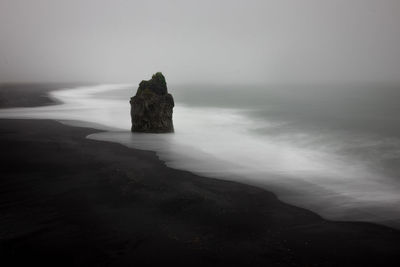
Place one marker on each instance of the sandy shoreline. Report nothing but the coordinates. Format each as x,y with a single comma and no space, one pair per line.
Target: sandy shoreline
29,95
66,200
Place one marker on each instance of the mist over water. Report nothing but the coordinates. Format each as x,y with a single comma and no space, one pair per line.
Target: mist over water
335,152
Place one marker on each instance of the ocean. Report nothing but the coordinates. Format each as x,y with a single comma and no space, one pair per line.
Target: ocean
332,149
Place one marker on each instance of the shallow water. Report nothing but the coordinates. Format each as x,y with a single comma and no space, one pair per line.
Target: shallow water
334,151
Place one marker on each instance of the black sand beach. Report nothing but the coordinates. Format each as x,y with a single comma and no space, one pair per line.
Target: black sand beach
69,201
28,94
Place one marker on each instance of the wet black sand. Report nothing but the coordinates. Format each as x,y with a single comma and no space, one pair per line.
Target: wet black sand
69,201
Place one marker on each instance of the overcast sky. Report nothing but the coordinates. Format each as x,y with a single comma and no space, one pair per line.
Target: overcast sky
207,41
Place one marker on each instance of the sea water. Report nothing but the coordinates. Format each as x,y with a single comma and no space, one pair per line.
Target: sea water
332,149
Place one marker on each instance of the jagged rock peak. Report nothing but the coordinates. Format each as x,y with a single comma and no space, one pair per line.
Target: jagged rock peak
156,84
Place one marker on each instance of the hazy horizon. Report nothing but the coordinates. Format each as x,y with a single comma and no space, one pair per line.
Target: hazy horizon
271,41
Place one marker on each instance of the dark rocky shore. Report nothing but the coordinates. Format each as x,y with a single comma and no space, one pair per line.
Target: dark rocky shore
69,201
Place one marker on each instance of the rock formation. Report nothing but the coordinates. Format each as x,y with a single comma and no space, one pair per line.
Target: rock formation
151,107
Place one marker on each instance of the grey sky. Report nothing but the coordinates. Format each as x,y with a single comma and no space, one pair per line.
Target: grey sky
200,41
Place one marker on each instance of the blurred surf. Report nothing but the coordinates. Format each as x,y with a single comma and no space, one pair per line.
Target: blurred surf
325,150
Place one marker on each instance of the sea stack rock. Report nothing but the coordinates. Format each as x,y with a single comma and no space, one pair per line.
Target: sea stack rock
151,107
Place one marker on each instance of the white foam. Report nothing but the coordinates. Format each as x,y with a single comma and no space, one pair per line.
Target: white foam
220,143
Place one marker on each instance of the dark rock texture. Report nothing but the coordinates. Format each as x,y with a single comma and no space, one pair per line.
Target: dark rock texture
151,107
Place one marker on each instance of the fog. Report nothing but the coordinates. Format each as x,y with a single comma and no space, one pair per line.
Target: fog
208,41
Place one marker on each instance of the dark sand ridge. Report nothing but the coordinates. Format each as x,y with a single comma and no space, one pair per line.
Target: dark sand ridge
66,200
